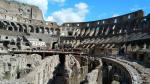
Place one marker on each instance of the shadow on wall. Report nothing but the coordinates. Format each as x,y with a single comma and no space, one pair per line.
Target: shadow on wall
60,75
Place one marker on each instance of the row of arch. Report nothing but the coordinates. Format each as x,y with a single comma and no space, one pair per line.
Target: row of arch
113,29
18,27
118,19
109,41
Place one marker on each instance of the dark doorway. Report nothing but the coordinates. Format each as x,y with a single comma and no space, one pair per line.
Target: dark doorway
53,45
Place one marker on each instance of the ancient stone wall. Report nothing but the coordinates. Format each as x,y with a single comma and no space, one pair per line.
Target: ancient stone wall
40,74
23,10
12,66
94,75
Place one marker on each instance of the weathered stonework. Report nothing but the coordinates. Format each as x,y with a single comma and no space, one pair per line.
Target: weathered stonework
41,72
17,66
34,51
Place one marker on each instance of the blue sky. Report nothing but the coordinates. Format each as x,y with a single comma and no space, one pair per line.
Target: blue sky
100,9
87,10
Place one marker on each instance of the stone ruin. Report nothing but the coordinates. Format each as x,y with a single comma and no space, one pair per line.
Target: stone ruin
35,51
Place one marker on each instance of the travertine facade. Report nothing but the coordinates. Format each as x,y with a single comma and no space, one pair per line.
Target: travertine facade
34,51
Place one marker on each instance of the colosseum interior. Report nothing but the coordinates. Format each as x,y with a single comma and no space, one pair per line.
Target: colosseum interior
108,51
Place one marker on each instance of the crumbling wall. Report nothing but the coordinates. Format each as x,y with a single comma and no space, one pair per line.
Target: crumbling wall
40,74
94,76
12,66
84,70
74,69
54,69
23,10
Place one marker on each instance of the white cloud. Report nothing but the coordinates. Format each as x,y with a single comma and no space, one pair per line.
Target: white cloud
115,15
81,6
42,4
57,1
137,7
134,9
74,14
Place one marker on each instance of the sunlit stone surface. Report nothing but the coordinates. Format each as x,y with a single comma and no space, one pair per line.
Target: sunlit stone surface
109,51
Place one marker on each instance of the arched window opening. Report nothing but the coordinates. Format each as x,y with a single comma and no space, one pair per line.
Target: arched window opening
31,29
47,30
41,30
10,28
37,30
20,27
25,28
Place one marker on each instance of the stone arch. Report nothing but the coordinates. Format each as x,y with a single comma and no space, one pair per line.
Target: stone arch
54,45
78,32
74,42
31,29
41,29
97,31
107,30
6,23
20,28
10,28
124,28
136,24
1,25
120,30
101,30
37,30
113,29
14,25
116,30
46,30
74,32
104,29
25,28
82,31
92,32
57,31
143,23
51,31
87,31
12,42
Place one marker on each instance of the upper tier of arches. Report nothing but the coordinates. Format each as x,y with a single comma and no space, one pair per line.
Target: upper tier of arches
128,23
28,28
